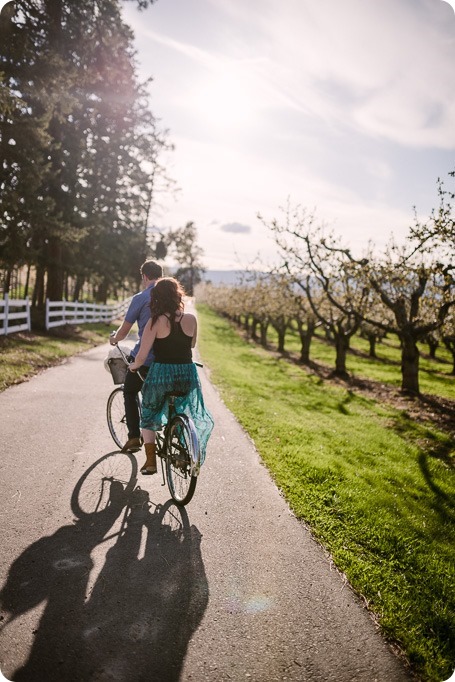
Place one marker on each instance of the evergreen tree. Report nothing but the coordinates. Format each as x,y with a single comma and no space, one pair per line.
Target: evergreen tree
77,144
188,255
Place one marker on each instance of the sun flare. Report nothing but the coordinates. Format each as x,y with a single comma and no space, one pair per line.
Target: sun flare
223,100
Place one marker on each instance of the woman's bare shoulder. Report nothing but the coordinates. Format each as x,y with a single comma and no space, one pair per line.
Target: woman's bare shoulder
188,323
189,316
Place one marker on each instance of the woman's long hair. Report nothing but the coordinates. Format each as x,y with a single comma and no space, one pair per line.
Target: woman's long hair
166,299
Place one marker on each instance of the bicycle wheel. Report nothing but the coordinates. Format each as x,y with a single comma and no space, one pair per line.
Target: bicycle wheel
116,418
182,450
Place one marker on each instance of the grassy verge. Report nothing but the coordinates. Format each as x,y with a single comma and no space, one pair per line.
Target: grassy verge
24,354
375,487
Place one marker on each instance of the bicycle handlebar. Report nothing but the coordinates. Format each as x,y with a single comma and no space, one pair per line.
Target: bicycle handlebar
125,358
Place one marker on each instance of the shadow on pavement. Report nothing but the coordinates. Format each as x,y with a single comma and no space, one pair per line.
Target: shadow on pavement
144,606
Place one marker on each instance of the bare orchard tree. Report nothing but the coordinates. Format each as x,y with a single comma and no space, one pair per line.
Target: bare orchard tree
437,233
402,279
448,336
372,334
255,304
316,263
416,282
278,304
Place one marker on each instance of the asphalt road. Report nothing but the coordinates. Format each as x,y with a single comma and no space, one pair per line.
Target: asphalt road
122,585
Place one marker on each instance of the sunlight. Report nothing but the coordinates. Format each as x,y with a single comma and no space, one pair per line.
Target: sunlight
223,100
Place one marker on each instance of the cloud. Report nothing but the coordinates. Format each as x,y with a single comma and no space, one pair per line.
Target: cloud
236,227
329,61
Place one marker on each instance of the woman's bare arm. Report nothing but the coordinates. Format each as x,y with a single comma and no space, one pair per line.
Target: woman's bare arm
193,341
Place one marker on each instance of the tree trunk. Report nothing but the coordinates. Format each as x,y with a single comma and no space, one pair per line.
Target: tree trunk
264,327
372,344
305,339
101,294
449,342
7,282
54,289
341,346
38,290
254,329
281,339
78,288
409,365
27,281
433,346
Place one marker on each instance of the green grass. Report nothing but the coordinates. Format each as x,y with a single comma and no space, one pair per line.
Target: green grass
25,354
376,488
434,376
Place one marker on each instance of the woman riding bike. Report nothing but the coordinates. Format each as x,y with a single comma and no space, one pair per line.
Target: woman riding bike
172,335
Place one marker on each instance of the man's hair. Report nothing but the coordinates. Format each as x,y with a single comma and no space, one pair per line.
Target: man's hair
151,269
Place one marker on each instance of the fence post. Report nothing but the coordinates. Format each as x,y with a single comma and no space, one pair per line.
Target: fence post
27,308
5,321
64,311
47,313
85,311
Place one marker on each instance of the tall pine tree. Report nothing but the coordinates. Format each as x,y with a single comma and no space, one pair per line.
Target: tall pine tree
77,144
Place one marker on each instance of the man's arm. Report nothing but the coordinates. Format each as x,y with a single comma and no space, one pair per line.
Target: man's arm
148,337
121,333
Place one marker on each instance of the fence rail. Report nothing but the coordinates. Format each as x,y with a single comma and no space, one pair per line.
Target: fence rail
14,315
74,312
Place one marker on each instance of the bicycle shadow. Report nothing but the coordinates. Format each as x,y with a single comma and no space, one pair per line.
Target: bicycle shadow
148,599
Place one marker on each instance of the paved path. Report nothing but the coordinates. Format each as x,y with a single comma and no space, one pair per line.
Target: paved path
232,588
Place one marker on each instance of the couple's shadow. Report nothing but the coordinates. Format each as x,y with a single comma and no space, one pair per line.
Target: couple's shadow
144,604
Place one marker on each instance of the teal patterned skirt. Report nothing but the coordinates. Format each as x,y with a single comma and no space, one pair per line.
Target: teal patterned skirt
163,379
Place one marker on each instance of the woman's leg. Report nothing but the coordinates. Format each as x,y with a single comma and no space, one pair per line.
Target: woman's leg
149,438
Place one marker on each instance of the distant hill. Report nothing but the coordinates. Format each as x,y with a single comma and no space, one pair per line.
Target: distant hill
223,276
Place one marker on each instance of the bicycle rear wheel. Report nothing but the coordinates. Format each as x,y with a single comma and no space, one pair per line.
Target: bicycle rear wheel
116,418
181,451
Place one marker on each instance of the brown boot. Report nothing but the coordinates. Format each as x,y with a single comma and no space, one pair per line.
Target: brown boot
150,463
132,445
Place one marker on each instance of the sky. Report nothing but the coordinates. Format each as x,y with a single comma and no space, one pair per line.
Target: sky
345,108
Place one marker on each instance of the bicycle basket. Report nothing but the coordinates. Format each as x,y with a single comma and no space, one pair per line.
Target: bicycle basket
118,370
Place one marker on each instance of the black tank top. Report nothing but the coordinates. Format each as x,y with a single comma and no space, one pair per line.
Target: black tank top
174,349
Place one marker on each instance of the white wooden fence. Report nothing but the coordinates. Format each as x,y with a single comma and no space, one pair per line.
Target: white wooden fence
73,312
14,315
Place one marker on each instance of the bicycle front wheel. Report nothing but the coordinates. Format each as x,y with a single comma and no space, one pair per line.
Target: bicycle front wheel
116,417
181,451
